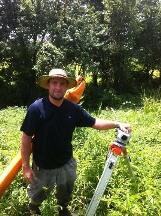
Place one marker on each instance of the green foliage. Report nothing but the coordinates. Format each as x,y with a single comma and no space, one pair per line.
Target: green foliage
48,57
124,195
100,97
148,37
10,121
110,40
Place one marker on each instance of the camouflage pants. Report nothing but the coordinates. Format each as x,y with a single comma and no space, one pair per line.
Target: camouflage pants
46,179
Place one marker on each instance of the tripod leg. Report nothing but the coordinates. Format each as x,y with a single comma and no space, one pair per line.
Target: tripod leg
128,160
105,177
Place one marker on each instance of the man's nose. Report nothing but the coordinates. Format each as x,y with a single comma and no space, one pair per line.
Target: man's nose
58,86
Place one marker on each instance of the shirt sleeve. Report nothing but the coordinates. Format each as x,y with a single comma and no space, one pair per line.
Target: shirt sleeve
31,121
84,119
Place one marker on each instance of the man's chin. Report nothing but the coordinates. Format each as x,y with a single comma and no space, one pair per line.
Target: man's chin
56,98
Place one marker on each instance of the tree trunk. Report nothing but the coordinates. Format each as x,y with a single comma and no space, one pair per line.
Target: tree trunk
120,76
94,77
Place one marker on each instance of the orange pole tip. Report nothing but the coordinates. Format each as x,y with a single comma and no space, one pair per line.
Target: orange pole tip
75,94
9,173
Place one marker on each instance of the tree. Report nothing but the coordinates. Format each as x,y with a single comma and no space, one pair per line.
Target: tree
148,40
121,22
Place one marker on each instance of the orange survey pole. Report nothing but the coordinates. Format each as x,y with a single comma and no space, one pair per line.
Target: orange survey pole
75,94
9,173
13,168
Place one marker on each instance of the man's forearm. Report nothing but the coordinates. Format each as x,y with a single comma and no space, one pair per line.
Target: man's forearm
101,124
26,150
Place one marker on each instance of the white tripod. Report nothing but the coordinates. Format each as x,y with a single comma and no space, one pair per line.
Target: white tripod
117,148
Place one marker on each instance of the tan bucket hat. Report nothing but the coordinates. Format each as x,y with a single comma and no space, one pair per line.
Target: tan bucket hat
43,80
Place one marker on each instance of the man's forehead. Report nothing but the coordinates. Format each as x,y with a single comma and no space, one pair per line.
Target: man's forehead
58,79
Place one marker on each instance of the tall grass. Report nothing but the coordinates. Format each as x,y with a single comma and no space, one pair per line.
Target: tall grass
123,196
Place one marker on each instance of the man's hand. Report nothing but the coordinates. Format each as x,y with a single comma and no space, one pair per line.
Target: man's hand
28,174
125,127
79,79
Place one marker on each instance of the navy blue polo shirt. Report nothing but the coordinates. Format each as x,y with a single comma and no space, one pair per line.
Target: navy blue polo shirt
52,128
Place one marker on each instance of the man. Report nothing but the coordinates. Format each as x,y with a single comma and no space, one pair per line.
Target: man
47,134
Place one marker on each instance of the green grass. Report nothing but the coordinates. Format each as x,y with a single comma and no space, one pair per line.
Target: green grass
123,196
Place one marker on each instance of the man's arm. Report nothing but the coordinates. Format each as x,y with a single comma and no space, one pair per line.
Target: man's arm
102,124
26,150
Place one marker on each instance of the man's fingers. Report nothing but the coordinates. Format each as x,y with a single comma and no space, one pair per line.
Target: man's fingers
29,175
125,127
29,178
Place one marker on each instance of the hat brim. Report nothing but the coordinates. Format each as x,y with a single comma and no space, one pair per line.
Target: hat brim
44,80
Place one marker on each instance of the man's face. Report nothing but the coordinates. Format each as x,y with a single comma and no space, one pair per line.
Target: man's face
57,88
